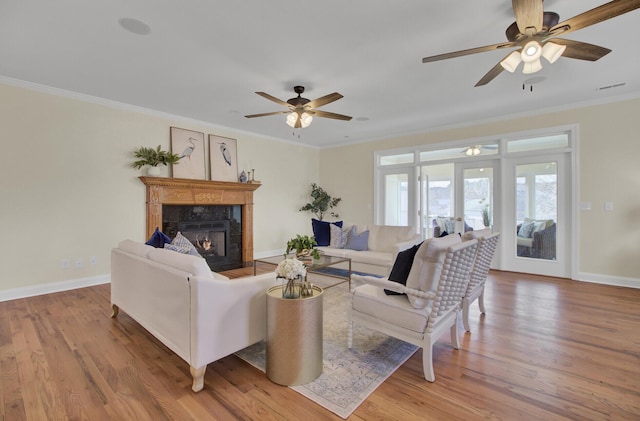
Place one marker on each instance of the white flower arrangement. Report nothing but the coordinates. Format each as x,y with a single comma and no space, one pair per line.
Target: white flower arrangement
291,269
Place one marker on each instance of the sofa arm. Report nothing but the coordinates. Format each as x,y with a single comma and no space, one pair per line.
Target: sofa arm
227,315
544,243
401,246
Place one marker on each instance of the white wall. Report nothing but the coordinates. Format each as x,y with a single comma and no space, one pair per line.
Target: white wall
67,191
609,170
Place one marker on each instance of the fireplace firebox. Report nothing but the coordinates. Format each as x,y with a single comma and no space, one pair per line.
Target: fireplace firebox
215,231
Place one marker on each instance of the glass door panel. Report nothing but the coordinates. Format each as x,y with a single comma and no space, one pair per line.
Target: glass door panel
477,197
536,210
396,199
436,198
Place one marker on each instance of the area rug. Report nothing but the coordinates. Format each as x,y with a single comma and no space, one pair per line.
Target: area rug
348,376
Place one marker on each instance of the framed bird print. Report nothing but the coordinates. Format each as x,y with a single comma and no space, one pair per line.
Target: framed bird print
189,145
223,158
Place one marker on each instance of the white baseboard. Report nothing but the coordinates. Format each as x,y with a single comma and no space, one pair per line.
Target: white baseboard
608,280
33,290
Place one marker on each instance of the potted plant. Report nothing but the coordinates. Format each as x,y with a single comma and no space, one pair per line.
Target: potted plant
304,246
151,158
321,202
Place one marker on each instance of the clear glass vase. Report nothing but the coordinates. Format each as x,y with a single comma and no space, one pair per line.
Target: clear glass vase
290,287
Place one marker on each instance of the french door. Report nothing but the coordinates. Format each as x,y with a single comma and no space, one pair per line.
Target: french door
536,208
456,197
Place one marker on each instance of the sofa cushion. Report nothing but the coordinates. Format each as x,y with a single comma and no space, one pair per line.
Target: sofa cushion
385,237
379,258
338,237
181,244
135,247
401,267
372,301
526,229
158,239
446,224
427,266
322,231
194,265
357,241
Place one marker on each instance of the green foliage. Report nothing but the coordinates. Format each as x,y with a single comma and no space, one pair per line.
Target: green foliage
485,216
303,242
153,157
321,202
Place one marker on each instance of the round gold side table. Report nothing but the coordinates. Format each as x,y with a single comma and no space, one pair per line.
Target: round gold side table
294,337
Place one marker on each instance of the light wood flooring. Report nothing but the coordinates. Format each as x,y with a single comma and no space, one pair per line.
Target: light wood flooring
547,349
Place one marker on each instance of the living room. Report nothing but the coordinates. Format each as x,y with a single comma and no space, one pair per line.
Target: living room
69,196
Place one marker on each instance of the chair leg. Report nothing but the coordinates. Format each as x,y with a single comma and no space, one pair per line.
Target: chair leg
465,314
427,361
481,301
350,335
455,340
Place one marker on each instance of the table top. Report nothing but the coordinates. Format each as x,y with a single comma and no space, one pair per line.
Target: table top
311,264
276,292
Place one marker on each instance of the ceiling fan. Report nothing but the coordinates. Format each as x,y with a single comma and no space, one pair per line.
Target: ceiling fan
475,150
301,110
533,31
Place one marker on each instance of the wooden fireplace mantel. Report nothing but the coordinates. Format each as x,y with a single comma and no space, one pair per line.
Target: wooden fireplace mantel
182,191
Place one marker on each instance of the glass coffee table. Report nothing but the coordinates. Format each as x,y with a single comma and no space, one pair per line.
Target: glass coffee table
313,265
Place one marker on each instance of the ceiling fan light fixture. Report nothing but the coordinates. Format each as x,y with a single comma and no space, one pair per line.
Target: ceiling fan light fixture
552,51
292,117
305,119
512,61
532,67
472,151
531,52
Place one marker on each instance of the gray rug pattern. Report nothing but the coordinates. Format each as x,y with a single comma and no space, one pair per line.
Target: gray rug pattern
349,376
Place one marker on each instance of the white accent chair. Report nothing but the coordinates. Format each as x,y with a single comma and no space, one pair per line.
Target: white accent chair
433,308
487,244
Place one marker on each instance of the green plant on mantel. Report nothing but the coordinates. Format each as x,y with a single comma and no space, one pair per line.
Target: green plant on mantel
153,157
304,246
321,202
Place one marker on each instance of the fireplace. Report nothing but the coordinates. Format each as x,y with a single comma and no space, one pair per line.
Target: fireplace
216,216
214,230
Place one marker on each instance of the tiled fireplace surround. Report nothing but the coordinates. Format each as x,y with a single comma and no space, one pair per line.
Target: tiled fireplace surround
217,216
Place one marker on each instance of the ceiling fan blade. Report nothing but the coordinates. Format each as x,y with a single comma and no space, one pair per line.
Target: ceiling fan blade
469,51
582,50
273,98
491,74
266,114
529,14
325,114
324,100
596,15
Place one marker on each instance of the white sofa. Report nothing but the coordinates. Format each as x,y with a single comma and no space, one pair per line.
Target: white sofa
383,245
198,314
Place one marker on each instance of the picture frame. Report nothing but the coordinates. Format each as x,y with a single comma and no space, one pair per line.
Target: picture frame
223,158
189,145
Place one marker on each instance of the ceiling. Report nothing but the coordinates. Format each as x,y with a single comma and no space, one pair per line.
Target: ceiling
205,59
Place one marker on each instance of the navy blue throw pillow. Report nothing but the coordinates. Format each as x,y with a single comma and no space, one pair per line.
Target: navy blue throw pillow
444,234
322,231
158,239
402,267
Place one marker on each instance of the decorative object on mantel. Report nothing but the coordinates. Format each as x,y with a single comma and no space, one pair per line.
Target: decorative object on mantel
243,177
252,177
304,247
321,202
291,272
223,158
152,158
189,146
